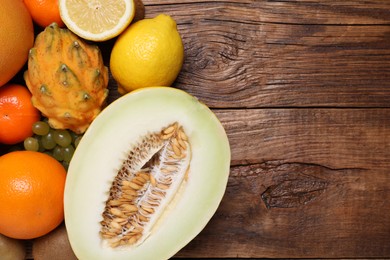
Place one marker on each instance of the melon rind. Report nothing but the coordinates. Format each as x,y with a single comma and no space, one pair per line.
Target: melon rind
100,154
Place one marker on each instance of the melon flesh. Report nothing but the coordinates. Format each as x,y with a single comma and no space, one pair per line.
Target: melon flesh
102,150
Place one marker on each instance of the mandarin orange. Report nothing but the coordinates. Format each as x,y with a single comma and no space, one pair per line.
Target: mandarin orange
17,114
31,194
44,12
16,38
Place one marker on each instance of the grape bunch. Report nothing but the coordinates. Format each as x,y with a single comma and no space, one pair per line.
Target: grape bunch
58,143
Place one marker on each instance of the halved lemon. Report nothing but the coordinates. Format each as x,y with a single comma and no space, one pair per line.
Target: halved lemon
97,20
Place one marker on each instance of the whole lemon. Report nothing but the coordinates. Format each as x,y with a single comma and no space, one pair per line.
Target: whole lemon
148,53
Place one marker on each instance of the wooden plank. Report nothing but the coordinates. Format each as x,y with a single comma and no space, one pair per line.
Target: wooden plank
334,138
304,183
283,53
302,89
313,212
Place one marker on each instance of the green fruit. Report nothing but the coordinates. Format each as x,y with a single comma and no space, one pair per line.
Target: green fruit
48,141
31,144
58,153
40,128
62,137
68,153
156,161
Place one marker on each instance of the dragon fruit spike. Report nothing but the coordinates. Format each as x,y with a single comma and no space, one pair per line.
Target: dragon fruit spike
67,78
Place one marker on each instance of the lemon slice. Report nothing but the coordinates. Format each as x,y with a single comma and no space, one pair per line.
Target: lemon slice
97,20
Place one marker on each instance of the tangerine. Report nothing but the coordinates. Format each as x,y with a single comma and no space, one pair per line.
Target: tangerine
44,12
17,114
31,194
16,38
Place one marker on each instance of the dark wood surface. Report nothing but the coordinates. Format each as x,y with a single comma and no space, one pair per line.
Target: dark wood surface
303,90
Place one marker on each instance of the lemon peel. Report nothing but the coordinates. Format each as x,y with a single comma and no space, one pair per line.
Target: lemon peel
148,53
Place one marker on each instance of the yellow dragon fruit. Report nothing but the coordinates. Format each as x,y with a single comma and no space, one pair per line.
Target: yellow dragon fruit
67,78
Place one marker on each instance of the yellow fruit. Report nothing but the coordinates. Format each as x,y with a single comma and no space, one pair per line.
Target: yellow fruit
16,38
67,78
148,53
156,183
97,20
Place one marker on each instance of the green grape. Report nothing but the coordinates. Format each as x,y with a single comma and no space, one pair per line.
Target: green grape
73,135
77,141
41,148
62,137
66,165
40,128
68,153
48,141
58,153
31,144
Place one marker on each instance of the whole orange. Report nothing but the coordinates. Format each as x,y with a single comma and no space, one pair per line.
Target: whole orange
16,38
17,114
44,12
31,194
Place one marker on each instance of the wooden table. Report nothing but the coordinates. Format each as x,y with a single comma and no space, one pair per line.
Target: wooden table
303,91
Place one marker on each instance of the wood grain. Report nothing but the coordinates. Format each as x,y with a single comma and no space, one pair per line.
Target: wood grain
345,219
310,183
302,88
284,53
334,138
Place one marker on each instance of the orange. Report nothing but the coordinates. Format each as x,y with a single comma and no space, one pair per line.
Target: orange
16,38
31,194
44,12
17,114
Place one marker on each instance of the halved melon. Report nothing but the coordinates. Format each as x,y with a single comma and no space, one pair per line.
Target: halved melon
147,176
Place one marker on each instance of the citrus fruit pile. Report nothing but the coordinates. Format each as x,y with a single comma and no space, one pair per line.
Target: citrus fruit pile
34,153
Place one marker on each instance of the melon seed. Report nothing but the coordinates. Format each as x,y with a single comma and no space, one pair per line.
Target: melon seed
140,189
